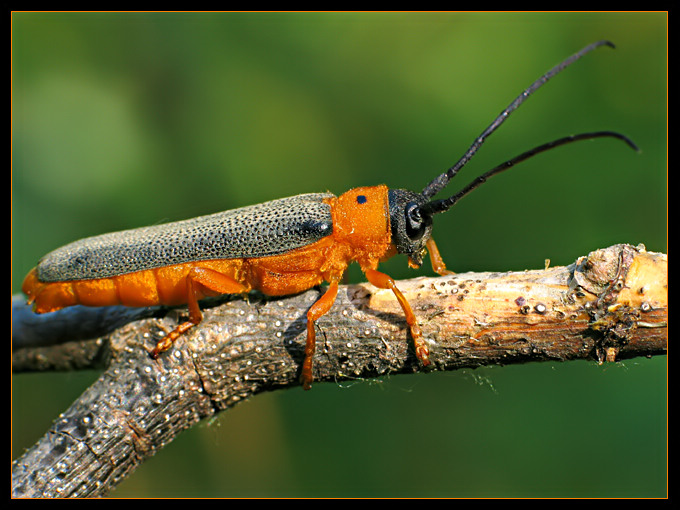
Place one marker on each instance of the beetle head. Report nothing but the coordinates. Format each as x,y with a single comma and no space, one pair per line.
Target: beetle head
410,229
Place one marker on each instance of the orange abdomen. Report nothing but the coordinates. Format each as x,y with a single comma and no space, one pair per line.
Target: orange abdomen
277,275
160,286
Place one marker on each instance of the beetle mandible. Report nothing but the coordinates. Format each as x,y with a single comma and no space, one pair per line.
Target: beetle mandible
280,247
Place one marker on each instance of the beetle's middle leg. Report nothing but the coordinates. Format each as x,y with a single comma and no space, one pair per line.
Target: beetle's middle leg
197,277
317,310
383,281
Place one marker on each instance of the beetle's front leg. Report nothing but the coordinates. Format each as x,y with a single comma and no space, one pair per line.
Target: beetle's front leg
383,281
438,265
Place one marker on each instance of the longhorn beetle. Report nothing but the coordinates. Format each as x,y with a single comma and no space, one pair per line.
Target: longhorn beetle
280,247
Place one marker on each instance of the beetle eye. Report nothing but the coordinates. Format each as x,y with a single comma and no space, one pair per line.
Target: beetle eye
415,224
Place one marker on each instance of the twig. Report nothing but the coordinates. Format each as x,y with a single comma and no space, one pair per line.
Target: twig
609,305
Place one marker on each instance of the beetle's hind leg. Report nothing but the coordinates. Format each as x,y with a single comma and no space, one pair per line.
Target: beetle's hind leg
166,342
198,277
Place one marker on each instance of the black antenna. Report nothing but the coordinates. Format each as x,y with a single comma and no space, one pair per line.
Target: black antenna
437,206
440,182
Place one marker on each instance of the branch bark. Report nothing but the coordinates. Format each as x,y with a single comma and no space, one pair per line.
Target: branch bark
608,305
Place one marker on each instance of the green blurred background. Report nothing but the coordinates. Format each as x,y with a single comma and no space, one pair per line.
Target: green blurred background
123,120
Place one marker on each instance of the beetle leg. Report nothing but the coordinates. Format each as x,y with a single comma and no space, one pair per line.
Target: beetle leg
383,281
317,310
438,265
166,342
209,278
